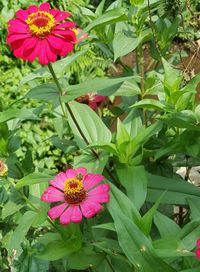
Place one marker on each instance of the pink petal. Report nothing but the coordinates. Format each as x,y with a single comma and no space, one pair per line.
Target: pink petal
32,54
18,53
89,209
92,105
81,170
50,52
65,25
91,180
18,36
22,14
99,98
197,253
68,35
76,215
67,48
59,181
198,242
55,42
61,15
70,173
42,56
56,211
51,194
44,7
65,218
99,194
29,43
32,9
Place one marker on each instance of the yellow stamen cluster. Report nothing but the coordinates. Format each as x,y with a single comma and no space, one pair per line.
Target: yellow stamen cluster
74,191
40,23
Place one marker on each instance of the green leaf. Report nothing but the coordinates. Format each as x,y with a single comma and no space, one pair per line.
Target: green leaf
166,226
136,246
23,114
124,44
134,179
149,104
109,17
119,201
46,92
33,178
20,232
147,219
58,249
194,208
177,190
190,233
90,124
122,134
10,208
136,2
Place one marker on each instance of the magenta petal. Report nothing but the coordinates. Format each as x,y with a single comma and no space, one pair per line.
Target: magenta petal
65,218
32,9
56,211
99,98
42,56
81,170
22,14
91,180
89,209
76,215
51,194
55,42
44,7
197,253
99,194
32,54
70,173
59,181
61,15
92,105
66,25
29,43
198,242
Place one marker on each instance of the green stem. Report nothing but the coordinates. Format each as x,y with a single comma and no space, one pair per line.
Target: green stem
58,86
74,119
33,207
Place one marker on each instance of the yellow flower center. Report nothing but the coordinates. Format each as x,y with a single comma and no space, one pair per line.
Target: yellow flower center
74,190
3,169
40,23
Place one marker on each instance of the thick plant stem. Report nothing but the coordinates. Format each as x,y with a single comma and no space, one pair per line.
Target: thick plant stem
73,117
58,86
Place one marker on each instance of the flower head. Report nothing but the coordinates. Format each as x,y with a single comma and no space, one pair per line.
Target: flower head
3,169
41,32
79,194
91,100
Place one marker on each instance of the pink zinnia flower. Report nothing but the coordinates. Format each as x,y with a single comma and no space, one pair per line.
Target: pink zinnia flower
197,251
41,32
91,100
79,193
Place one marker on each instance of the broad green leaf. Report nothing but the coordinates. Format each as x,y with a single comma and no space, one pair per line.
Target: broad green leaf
124,44
177,190
109,17
136,246
46,92
166,226
136,2
134,179
58,249
89,123
107,226
149,104
33,178
190,233
133,122
194,208
10,208
104,86
122,134
23,114
119,201
20,232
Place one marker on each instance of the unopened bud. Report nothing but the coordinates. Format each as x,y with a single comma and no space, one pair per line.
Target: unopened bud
3,169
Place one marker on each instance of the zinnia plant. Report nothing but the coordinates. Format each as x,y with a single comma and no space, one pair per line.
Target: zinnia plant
41,33
79,193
